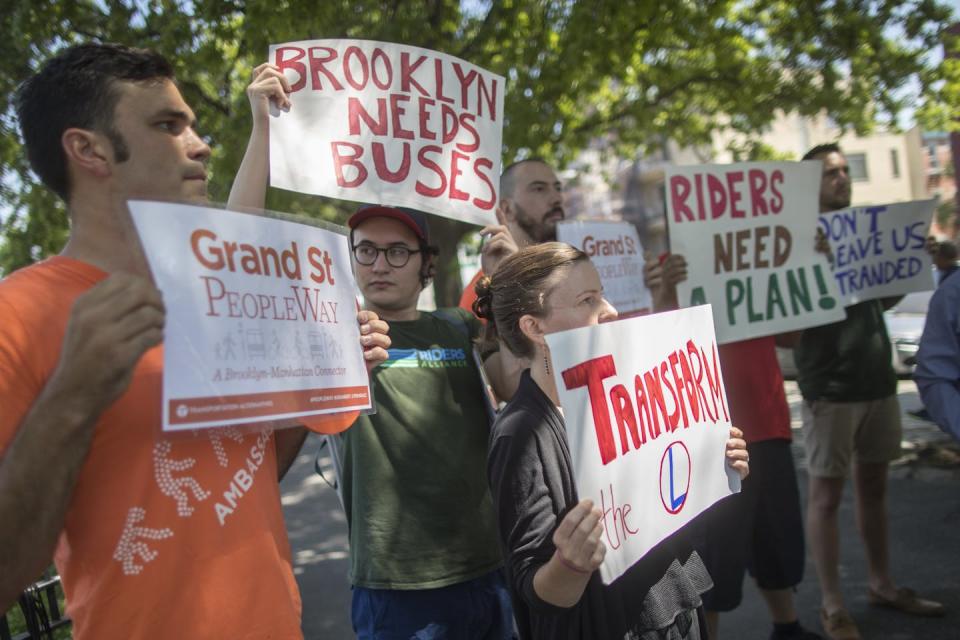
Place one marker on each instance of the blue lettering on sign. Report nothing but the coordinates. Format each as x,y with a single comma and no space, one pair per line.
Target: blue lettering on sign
675,500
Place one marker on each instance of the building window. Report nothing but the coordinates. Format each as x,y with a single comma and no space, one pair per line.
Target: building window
858,166
895,162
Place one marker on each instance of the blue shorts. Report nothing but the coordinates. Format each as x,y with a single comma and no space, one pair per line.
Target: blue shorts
476,609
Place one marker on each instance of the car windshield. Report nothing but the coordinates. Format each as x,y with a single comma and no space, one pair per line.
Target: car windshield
914,303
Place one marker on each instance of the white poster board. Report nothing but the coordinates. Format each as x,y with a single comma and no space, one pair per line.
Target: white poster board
261,317
647,425
389,124
747,232
878,251
615,250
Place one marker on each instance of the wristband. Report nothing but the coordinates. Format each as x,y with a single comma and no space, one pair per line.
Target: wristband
569,565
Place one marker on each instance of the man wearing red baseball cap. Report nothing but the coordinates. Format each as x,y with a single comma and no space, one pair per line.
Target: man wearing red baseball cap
424,557
414,473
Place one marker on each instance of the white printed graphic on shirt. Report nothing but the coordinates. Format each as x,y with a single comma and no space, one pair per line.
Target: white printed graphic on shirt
216,436
131,544
242,479
163,468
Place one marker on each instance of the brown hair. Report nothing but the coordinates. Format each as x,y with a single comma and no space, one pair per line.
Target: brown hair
519,287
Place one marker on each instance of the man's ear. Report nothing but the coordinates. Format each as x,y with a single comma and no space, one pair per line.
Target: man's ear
531,328
87,151
428,269
505,213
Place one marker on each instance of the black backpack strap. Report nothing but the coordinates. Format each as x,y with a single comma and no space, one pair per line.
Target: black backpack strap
454,317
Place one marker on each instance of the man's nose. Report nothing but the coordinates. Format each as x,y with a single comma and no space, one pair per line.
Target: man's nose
381,265
197,149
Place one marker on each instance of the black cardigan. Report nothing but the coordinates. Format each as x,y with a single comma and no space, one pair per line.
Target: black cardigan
531,480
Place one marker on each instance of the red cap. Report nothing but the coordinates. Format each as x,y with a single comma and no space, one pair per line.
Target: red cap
415,220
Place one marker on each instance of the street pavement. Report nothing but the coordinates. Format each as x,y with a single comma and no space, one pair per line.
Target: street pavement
924,519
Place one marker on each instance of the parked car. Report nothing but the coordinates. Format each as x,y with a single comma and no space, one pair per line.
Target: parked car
904,326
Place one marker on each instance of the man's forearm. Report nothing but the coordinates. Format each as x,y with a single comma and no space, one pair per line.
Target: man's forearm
38,474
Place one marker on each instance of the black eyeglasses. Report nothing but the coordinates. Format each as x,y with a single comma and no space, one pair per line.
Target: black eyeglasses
397,256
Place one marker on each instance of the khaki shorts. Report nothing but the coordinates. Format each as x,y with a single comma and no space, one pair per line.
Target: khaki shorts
834,431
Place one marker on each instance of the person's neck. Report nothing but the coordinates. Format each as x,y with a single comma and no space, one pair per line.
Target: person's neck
102,235
543,378
406,314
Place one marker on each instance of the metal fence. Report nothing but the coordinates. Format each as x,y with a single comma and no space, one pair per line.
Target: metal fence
41,612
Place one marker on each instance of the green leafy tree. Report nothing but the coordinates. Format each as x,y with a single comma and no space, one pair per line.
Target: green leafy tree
629,72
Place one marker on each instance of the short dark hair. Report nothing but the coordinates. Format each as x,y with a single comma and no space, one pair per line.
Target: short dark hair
75,89
822,150
508,180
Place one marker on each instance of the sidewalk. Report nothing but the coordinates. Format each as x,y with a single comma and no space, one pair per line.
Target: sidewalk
924,533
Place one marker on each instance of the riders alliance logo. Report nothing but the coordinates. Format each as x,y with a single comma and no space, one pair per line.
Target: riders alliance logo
435,358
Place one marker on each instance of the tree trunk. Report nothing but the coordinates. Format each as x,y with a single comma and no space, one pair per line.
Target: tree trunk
445,234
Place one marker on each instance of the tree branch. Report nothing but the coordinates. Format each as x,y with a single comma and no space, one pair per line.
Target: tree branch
206,99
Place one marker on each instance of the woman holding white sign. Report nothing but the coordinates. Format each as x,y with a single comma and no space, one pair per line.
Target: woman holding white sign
552,540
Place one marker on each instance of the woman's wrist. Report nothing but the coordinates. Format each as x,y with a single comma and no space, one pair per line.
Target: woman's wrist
569,565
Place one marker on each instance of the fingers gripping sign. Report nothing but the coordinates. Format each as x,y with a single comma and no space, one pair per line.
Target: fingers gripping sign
498,244
738,458
110,328
662,276
578,539
269,89
373,338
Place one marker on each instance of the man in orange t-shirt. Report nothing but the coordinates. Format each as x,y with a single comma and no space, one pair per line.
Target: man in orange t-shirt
155,536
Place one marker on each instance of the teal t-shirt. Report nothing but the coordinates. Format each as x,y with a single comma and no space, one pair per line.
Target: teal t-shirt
847,361
414,474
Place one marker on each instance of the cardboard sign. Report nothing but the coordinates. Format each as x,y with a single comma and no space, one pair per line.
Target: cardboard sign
389,124
261,317
647,425
747,232
616,252
878,251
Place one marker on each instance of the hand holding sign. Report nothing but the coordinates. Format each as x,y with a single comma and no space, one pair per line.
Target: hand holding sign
498,245
111,326
577,539
662,278
268,88
373,338
737,457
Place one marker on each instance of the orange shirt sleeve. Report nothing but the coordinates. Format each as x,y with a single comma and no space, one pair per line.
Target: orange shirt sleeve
469,295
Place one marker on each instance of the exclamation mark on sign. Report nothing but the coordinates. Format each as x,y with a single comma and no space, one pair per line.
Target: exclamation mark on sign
826,301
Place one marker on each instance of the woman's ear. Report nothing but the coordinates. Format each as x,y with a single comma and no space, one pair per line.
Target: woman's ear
532,329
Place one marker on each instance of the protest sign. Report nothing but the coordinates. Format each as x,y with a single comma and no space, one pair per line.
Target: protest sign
615,250
261,317
389,124
647,425
747,232
878,251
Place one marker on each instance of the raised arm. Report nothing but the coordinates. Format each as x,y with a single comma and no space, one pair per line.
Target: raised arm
110,328
268,87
